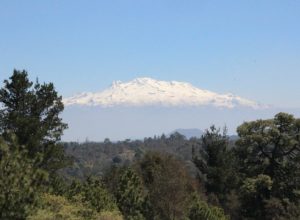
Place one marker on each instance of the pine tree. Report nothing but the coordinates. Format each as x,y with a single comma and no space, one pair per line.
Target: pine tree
31,111
20,181
216,163
272,147
130,196
269,160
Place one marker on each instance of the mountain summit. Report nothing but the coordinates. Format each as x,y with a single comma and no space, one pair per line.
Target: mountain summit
151,92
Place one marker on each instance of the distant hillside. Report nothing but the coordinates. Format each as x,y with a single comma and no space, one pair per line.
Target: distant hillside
189,133
94,158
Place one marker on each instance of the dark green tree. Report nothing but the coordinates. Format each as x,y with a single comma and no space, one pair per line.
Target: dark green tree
94,193
130,195
216,163
31,111
269,162
254,191
272,147
199,210
168,184
20,181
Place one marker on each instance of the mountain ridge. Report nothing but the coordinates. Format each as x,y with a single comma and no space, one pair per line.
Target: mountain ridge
188,132
146,91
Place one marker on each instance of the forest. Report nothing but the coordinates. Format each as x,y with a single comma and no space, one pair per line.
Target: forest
169,177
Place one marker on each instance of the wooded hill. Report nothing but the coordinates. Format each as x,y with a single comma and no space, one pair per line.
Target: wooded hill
95,158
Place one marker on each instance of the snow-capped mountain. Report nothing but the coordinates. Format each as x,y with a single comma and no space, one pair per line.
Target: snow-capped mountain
151,92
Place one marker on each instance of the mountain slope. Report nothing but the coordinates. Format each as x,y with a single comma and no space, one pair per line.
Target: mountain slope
189,132
151,92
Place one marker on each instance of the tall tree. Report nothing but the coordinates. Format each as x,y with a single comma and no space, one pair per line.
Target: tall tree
95,194
168,184
31,111
269,161
215,161
130,195
272,147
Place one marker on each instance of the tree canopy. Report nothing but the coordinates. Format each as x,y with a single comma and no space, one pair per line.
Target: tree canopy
31,111
272,147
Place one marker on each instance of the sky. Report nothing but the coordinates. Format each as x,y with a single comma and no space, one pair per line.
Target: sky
249,48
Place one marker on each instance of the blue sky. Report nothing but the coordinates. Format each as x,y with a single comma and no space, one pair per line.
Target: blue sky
249,48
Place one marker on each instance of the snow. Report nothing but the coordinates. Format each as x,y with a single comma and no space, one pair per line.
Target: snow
148,92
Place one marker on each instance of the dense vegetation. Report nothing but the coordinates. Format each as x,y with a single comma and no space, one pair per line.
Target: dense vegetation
256,176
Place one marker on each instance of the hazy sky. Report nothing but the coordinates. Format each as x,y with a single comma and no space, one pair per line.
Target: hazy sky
250,48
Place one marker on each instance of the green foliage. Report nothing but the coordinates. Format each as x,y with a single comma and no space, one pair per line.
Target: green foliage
272,147
168,185
57,185
256,179
95,194
269,160
31,111
260,185
254,192
217,163
80,200
130,195
75,188
200,210
20,182
57,207
96,158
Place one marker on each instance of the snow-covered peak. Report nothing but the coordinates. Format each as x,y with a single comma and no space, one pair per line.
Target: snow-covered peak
147,92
